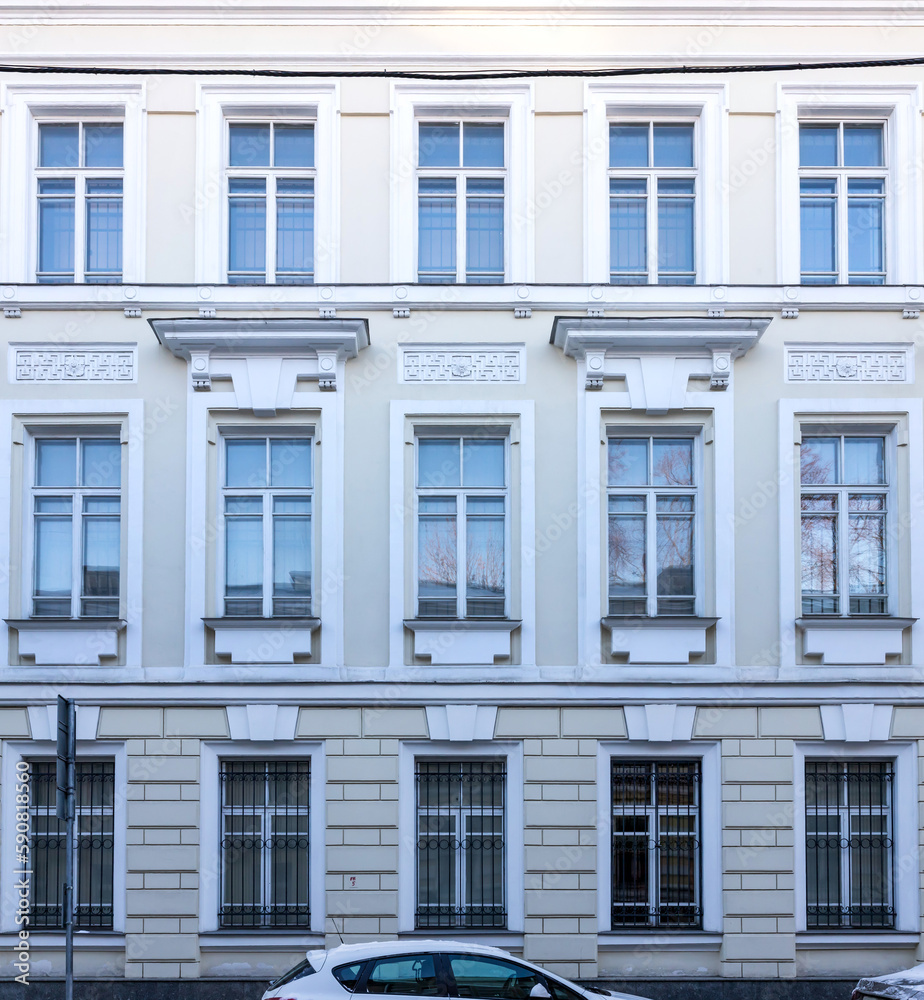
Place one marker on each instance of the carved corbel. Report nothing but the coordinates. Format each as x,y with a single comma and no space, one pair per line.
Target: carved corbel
327,371
721,369
199,371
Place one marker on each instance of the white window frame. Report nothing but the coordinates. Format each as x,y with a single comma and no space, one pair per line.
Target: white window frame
27,105
474,101
211,754
219,104
904,835
709,756
895,105
14,751
706,106
514,861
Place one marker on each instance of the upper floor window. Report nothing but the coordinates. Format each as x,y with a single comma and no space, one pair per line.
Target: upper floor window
652,184
845,500
461,177
267,507
842,191
462,499
271,179
76,505
79,190
652,499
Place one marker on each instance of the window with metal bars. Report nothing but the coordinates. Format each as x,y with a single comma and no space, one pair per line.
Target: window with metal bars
848,844
656,843
264,843
95,787
461,862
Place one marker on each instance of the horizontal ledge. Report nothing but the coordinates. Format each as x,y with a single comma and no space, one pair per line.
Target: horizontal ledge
843,940
462,624
256,335
53,939
66,624
265,938
264,623
656,621
662,941
855,622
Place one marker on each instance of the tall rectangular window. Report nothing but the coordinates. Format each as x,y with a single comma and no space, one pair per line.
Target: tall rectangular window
656,843
651,525
77,534
462,500
95,798
845,501
267,507
842,182
271,176
849,844
461,179
652,179
264,843
461,835
79,183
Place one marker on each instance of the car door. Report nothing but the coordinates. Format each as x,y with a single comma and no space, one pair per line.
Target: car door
483,977
399,976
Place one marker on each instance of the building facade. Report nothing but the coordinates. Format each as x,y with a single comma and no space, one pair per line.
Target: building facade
483,508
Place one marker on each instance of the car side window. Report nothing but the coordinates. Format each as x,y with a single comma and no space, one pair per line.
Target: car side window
407,975
561,992
348,975
483,978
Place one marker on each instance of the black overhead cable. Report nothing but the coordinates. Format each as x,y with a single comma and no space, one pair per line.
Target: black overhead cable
511,74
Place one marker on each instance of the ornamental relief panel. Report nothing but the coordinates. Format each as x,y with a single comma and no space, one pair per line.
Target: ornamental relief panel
57,365
462,364
876,364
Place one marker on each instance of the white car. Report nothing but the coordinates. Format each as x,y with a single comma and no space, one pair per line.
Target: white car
425,969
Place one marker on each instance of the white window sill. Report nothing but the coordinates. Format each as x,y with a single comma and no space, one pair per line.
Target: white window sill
263,640
456,641
844,940
661,940
664,639
852,641
68,641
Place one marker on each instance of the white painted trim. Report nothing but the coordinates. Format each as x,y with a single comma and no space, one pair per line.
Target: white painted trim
899,105
15,750
214,103
514,102
211,753
904,818
515,860
21,103
524,412
884,410
710,755
135,427
707,106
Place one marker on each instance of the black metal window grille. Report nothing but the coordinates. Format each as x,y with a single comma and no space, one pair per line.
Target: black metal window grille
264,843
656,856
848,844
95,795
461,864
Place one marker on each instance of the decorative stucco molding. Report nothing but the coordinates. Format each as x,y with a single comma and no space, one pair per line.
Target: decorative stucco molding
660,723
850,363
49,363
857,723
484,365
262,723
461,723
853,641
43,722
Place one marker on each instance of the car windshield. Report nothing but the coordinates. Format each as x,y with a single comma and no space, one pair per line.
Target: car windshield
304,968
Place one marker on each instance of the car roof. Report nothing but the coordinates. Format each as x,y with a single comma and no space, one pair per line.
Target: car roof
379,949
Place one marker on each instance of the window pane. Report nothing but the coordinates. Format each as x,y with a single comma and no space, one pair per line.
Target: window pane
55,462
249,145
101,540
291,556
436,228
819,554
104,235
438,462
628,145
408,975
629,232
675,233
483,462
818,460
247,235
673,145
863,146
482,145
246,464
438,145
490,978
484,236
100,462
290,462
627,553
58,146
244,556
53,555
485,587
437,563
294,235
294,146
866,547
627,462
865,208
672,461
56,236
102,145
675,555
818,219
818,145
864,461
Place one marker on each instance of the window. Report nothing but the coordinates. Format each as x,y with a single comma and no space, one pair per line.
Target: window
270,203
481,978
656,841
462,532
76,511
264,843
460,201
408,975
842,191
651,503
95,787
461,844
79,182
849,844
652,180
845,501
267,509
